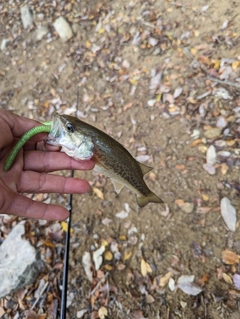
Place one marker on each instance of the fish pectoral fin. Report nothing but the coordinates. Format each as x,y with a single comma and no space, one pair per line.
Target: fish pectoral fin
117,185
144,168
151,198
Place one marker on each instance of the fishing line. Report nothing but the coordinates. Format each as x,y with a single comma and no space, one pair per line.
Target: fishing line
67,246
66,258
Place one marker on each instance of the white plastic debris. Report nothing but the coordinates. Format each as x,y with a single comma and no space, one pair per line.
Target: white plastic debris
185,278
63,29
97,257
195,134
211,156
151,102
190,289
228,213
186,284
123,214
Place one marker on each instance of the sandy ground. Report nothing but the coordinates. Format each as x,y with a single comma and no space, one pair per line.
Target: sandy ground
111,62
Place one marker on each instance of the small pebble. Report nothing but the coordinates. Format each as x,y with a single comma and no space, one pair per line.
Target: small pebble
187,207
220,143
81,313
211,155
221,122
196,133
209,168
26,17
212,133
151,102
224,153
202,110
63,29
125,64
4,44
40,33
153,42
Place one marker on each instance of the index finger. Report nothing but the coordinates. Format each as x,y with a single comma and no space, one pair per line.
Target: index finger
53,161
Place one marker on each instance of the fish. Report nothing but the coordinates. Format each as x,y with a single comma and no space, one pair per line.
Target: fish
83,141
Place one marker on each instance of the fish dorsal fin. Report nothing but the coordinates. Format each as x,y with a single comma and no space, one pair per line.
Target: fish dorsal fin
144,168
117,185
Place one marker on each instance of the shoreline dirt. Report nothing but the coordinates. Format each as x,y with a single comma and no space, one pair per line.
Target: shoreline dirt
144,72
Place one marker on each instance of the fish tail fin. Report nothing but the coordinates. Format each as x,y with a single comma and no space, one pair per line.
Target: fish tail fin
150,198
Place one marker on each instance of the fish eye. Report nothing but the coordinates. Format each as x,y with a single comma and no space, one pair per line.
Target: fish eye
70,127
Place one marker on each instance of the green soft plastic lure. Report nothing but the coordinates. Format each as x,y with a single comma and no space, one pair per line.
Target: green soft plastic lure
45,128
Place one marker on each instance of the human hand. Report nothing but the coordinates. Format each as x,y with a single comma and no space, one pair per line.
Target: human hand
29,171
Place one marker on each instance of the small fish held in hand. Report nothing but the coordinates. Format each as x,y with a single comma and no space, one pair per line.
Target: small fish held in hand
83,141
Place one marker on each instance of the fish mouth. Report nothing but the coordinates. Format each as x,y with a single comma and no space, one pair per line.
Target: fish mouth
56,130
81,147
